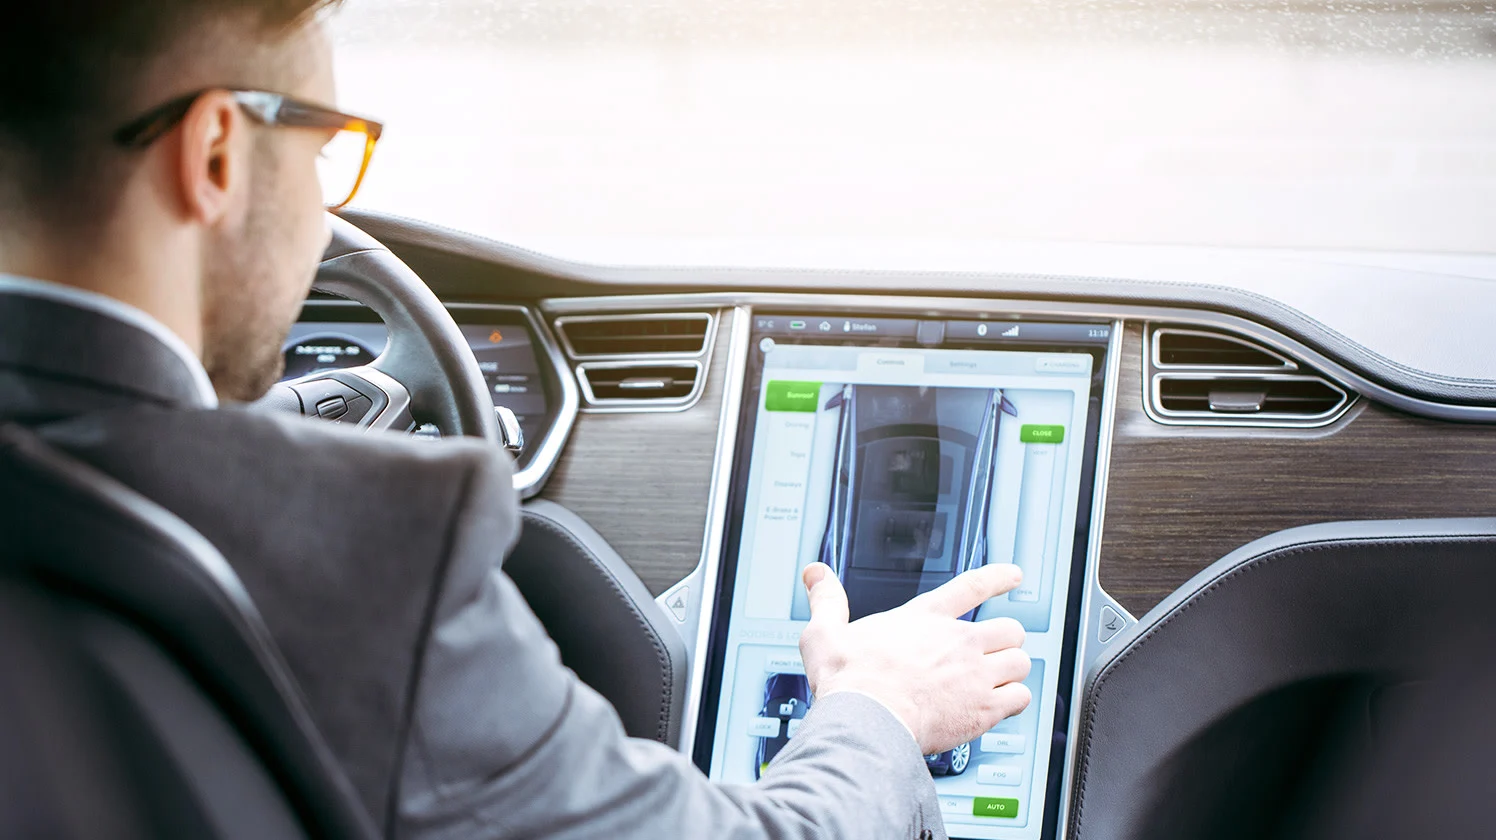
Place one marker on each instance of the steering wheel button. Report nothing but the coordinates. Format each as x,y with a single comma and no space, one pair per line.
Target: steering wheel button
357,408
332,408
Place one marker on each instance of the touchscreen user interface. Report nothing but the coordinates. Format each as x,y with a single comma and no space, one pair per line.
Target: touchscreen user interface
900,464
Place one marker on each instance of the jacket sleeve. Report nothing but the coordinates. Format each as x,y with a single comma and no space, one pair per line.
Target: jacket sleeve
507,742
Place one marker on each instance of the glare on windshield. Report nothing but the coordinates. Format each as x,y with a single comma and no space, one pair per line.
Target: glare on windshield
1279,123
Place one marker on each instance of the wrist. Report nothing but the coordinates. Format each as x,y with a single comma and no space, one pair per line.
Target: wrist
902,717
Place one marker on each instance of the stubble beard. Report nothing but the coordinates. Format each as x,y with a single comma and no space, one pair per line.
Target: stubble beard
249,308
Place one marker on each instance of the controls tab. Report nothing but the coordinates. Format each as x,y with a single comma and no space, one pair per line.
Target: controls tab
891,361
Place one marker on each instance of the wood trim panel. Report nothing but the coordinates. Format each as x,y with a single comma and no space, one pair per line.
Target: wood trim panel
642,480
1180,498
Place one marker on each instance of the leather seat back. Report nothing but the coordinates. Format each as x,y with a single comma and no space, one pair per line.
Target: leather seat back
207,721
603,619
1224,711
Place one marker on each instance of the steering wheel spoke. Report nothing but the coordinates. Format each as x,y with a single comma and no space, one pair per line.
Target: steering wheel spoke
427,370
358,396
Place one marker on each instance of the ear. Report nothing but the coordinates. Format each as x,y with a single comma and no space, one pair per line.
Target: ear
214,156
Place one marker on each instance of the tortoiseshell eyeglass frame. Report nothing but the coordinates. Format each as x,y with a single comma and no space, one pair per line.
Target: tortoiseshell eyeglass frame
271,109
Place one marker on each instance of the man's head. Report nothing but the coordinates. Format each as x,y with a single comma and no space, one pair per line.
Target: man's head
216,226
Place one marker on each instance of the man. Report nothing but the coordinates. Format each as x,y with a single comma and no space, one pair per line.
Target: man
160,226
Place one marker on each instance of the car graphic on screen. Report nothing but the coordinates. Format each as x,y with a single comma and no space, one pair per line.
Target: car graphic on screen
909,497
786,697
952,762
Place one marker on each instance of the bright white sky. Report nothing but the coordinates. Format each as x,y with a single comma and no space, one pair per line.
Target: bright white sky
1247,123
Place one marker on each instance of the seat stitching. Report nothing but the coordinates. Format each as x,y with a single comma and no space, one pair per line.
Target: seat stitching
666,669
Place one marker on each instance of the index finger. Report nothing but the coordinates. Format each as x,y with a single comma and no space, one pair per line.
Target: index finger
968,590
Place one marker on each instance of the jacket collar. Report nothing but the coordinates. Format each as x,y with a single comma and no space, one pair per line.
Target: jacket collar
53,332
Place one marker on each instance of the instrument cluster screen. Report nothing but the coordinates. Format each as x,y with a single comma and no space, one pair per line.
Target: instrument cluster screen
503,345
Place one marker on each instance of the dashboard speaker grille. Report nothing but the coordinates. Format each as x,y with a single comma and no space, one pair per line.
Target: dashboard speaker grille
1199,377
624,336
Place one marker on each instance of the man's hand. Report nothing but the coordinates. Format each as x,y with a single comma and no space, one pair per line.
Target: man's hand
947,679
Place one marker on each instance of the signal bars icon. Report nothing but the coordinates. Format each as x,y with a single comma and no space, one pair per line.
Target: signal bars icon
1010,332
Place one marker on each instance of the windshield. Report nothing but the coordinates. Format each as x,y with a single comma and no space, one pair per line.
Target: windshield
1256,123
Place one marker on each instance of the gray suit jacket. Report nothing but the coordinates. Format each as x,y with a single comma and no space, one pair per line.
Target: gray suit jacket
375,560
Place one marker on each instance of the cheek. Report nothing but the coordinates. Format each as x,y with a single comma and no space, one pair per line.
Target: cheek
311,231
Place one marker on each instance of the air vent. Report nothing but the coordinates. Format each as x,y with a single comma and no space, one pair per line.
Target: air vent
1176,348
630,385
632,336
1198,377
1307,397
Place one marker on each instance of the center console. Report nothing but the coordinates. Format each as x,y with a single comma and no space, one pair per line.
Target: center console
902,452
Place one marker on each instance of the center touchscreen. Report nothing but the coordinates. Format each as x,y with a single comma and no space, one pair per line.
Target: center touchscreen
901,454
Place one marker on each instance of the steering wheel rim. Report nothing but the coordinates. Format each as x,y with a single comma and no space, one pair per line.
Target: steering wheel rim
427,363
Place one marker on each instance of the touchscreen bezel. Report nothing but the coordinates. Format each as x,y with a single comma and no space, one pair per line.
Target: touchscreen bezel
706,695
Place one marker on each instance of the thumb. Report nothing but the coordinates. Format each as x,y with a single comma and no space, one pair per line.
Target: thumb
828,601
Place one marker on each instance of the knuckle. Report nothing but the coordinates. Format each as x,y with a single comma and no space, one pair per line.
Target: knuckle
993,711
810,636
1011,628
1014,659
972,584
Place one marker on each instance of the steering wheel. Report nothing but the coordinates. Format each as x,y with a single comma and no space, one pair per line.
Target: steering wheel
427,372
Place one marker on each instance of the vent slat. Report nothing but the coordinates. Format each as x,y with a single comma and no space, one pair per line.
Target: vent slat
635,335
1191,349
641,382
1306,398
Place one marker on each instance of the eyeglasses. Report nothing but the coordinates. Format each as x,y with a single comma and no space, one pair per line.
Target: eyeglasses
341,166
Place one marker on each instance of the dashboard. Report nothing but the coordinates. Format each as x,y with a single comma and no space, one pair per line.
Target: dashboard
1113,440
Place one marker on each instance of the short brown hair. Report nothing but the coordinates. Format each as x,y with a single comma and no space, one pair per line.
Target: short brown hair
70,68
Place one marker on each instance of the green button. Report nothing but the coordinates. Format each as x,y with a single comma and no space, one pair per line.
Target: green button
792,396
986,806
1031,433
